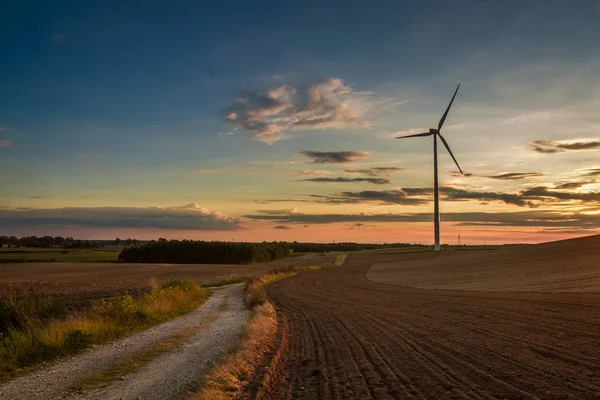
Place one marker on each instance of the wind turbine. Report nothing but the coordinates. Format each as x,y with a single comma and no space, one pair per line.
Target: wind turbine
435,133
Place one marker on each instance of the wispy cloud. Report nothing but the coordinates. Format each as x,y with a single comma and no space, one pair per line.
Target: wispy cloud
5,143
335,157
375,171
284,227
284,211
187,217
267,115
40,197
311,173
341,179
552,146
514,175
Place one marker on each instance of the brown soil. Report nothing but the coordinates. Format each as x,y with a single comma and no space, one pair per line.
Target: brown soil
564,266
343,336
66,279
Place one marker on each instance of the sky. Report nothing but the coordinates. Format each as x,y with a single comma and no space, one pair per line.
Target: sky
276,120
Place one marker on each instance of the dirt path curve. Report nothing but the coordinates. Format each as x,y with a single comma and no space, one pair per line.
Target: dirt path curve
351,338
167,376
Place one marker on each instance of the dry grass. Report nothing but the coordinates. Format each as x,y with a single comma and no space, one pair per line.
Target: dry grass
29,337
229,379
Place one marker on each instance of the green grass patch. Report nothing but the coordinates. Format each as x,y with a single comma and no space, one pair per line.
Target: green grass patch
32,333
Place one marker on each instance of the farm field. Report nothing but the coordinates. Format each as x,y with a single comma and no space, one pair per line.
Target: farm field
58,255
344,335
76,279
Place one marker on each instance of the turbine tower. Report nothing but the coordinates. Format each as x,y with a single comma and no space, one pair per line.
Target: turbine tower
436,199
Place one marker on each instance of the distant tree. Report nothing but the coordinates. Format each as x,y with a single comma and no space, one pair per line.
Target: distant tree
117,241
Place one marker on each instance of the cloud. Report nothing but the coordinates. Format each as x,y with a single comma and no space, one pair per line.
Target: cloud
311,173
281,227
552,146
187,217
3,128
592,172
573,185
374,171
372,196
508,176
375,181
323,105
5,143
335,157
40,197
205,171
522,218
542,191
514,175
285,211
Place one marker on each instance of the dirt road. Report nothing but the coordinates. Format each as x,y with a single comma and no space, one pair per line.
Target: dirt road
168,376
346,337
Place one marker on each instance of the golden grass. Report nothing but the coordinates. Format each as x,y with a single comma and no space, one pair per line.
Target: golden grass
36,339
229,379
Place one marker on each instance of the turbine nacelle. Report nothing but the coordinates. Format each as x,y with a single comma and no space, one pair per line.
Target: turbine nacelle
433,131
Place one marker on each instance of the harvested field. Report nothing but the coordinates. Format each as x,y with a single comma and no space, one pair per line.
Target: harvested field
66,279
343,336
564,266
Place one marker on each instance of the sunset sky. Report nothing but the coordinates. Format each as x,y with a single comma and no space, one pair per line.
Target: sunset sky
260,120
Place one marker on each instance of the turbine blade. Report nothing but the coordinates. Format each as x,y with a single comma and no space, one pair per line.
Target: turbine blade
450,151
447,109
416,135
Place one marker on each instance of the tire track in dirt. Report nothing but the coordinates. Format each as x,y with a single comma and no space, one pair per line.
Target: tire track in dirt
350,338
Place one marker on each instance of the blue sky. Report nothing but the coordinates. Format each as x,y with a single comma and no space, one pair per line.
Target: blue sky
125,104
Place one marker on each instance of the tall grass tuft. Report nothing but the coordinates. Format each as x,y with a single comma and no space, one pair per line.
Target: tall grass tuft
32,332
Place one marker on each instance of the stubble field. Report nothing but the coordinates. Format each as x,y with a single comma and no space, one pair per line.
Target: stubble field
510,324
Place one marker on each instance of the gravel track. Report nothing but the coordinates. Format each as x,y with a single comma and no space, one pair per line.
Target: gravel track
351,338
166,377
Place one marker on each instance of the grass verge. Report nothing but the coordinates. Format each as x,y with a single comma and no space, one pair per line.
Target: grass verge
229,379
31,332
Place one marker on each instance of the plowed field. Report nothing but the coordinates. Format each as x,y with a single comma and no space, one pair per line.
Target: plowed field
343,336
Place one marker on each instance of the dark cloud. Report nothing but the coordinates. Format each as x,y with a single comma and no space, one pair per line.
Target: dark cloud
515,175
552,146
508,176
335,157
268,115
543,191
366,196
190,216
522,218
375,181
281,227
592,172
284,211
572,185
453,194
374,171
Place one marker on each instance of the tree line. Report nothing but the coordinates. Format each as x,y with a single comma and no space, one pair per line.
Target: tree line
342,246
46,241
201,252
